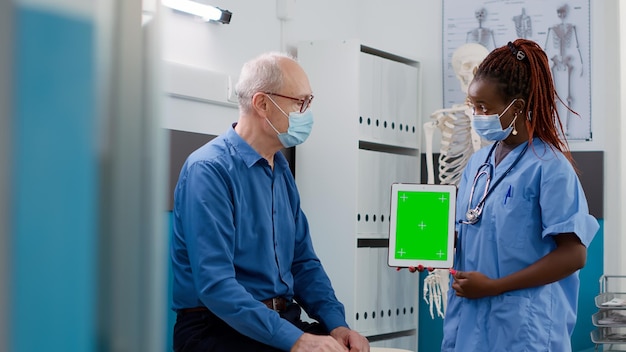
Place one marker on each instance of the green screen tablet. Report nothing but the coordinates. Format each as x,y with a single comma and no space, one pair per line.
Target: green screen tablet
421,228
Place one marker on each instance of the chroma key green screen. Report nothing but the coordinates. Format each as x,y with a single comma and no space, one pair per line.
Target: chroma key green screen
422,221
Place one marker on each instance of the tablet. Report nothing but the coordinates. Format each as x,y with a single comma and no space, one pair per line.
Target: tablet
421,228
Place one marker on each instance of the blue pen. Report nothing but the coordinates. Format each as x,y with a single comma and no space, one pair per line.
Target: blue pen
508,193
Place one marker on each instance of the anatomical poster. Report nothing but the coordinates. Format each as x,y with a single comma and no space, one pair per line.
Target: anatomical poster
561,28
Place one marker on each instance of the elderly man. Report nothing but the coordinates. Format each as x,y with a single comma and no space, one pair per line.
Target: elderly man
242,256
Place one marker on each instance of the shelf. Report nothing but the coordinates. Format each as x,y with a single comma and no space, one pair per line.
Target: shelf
611,300
609,318
608,336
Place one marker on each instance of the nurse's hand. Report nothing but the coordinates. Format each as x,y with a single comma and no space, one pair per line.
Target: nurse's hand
472,284
420,268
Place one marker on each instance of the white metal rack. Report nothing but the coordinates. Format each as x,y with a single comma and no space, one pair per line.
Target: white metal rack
610,320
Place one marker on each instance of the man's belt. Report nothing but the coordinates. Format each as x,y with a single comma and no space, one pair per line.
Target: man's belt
278,304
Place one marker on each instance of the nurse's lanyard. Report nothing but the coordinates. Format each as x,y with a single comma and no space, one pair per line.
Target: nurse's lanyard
486,169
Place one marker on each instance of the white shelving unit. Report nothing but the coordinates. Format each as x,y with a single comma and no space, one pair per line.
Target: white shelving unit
366,135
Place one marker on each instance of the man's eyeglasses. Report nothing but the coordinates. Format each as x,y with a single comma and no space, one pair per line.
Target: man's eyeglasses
304,103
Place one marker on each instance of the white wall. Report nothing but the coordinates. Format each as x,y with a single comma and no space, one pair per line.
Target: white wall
255,28
403,27
217,47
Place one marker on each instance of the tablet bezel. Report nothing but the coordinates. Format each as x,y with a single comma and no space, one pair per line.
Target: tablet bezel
396,189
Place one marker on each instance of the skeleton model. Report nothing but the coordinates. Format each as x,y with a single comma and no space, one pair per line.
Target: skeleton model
523,25
563,64
458,143
480,35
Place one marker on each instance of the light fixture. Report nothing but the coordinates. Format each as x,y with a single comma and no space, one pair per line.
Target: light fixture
205,12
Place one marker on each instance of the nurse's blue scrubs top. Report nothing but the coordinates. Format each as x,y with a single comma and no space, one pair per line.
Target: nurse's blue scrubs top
240,237
539,198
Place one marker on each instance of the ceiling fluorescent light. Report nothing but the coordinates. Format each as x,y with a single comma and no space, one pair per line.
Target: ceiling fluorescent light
206,12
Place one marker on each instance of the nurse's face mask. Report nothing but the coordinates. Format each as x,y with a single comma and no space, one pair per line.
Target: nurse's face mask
489,126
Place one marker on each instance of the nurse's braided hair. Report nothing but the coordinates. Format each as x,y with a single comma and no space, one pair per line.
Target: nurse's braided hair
521,70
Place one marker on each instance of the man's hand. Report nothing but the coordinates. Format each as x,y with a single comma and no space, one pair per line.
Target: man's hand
351,339
314,343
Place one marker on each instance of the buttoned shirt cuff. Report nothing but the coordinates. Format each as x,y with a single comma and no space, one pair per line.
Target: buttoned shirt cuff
286,337
334,321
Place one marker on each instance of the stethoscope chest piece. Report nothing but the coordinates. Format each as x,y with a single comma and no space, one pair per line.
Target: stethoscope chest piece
472,216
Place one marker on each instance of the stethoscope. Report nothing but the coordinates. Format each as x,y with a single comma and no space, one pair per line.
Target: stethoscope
473,214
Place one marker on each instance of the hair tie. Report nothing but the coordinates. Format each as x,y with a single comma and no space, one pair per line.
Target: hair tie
520,55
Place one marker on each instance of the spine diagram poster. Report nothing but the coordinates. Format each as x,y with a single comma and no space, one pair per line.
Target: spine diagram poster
561,28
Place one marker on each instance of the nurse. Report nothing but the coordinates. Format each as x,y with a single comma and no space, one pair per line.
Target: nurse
523,224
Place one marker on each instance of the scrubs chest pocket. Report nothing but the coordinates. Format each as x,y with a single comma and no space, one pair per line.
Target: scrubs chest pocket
511,210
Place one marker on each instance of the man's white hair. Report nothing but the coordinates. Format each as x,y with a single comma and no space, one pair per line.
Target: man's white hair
261,74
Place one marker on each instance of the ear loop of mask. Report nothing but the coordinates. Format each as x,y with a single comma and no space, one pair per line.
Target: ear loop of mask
281,110
514,132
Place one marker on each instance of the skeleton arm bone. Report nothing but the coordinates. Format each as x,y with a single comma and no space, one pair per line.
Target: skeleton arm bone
579,53
449,112
545,47
429,130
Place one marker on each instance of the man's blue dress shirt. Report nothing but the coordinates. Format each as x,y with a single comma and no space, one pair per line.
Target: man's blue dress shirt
240,237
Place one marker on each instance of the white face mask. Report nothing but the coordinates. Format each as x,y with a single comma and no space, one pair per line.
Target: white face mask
489,126
300,126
